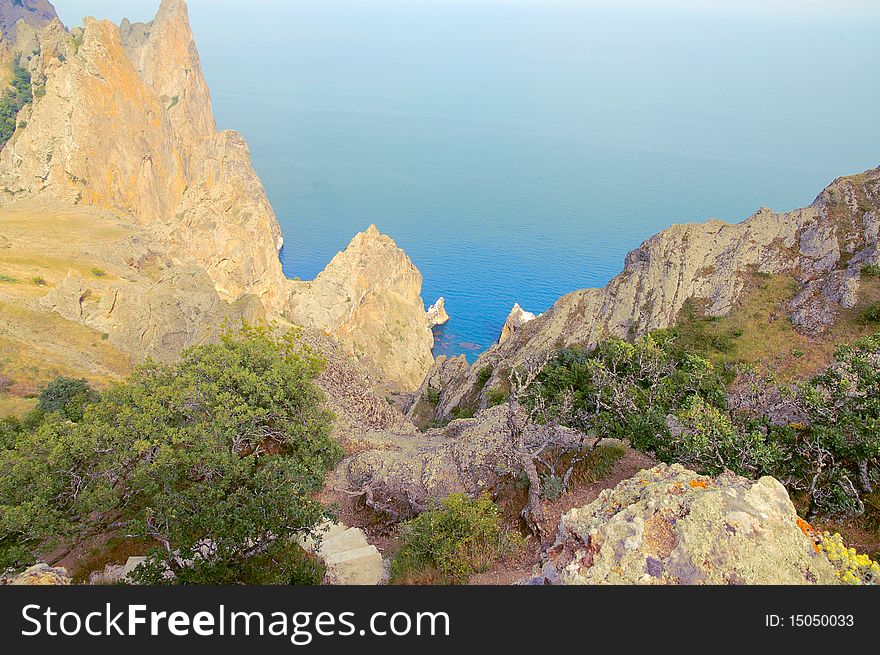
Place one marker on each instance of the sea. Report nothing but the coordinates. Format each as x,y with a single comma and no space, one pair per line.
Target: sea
518,150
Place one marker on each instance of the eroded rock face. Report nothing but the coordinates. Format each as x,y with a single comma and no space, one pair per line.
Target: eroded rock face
122,123
129,129
150,318
668,525
369,297
34,12
437,394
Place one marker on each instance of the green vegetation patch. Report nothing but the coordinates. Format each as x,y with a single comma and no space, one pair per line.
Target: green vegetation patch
450,543
13,101
228,447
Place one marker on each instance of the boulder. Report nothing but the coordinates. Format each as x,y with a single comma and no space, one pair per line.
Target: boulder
669,525
42,575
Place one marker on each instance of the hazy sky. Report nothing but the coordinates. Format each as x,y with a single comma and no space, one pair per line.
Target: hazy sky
72,11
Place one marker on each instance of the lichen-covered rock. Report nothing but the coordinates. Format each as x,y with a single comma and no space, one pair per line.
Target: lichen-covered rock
41,575
669,525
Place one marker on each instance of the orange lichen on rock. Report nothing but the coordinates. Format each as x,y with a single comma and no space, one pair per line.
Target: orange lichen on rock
699,484
810,532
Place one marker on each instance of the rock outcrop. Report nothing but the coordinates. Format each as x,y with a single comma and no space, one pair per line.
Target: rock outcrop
36,13
136,137
441,390
824,247
41,575
515,320
437,315
401,473
668,525
369,297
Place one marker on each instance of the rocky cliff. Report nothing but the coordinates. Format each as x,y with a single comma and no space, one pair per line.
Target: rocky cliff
824,247
136,137
369,297
121,122
36,13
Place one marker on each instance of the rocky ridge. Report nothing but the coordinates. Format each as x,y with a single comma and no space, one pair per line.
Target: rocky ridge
824,247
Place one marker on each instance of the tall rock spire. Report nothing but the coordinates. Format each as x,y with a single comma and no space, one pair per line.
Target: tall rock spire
125,124
165,55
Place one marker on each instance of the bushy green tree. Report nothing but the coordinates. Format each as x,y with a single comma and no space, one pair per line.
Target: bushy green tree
626,389
215,459
67,398
707,439
836,455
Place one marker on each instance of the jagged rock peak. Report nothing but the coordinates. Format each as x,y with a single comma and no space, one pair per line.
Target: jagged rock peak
165,55
126,125
36,13
369,296
515,320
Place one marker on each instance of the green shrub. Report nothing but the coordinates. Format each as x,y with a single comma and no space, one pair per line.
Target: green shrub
497,397
835,457
13,101
8,279
68,398
871,313
625,390
601,462
433,396
871,270
483,377
99,272
707,440
450,543
552,487
39,281
462,413
228,446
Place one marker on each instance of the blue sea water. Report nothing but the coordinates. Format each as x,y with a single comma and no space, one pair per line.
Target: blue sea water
517,152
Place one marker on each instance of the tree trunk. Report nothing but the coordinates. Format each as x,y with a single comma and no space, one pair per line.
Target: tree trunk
533,512
864,477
